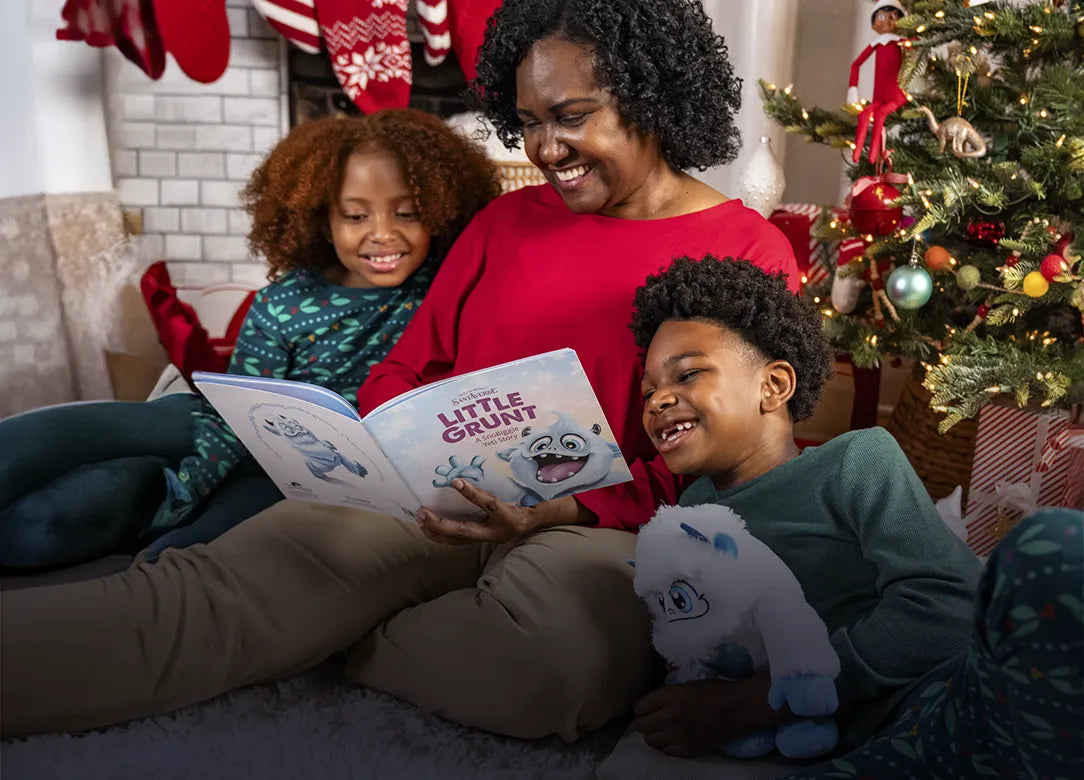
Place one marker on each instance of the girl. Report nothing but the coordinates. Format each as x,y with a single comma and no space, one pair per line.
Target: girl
353,217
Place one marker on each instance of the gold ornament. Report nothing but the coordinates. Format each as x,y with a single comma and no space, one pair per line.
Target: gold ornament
1035,286
966,141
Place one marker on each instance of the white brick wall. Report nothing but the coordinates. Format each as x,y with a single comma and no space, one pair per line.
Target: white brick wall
182,150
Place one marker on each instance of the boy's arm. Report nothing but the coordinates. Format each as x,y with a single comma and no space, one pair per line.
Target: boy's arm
426,350
260,350
926,576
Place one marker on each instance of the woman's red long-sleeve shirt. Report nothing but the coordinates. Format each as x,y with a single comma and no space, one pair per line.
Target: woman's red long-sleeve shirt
528,276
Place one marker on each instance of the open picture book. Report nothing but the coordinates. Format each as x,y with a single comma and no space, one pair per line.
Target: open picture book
526,431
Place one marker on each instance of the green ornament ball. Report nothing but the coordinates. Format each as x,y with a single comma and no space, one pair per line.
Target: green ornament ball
909,287
968,277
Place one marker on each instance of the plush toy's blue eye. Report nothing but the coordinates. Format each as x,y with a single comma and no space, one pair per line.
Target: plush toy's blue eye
681,598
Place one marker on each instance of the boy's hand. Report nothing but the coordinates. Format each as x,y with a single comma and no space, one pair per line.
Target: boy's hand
808,695
503,521
697,717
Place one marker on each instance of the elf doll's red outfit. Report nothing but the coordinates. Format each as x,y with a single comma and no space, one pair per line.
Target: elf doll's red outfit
887,95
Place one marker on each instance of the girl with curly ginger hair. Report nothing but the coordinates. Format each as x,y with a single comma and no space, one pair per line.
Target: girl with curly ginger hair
292,198
353,216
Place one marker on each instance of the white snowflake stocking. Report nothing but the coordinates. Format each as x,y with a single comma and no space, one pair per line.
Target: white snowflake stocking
366,41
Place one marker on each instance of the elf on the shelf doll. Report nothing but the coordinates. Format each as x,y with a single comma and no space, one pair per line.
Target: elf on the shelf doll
887,95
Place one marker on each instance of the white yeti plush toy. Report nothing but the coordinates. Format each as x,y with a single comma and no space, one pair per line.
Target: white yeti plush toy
723,605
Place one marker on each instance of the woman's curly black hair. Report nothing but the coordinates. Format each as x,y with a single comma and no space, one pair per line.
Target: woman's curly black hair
660,58
745,300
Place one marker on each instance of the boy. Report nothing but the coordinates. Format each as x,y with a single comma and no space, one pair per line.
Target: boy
733,360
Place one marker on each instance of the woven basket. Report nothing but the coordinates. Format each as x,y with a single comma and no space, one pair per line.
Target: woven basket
519,174
942,460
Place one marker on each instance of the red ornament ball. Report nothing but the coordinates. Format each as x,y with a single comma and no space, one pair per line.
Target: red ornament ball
1052,266
987,234
870,210
1012,260
1064,243
937,258
982,311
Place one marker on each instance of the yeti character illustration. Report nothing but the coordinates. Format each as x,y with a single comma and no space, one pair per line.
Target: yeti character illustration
547,463
723,605
321,457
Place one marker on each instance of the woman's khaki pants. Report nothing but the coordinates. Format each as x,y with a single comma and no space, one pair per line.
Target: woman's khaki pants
539,637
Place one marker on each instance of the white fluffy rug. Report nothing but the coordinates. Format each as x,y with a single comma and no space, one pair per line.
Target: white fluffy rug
311,726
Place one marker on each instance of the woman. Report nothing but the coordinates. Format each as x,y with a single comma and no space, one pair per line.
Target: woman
525,624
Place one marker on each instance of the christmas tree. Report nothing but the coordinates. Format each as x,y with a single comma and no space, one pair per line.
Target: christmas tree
968,228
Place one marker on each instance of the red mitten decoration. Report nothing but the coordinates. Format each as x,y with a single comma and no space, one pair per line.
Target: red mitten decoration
128,24
87,20
366,41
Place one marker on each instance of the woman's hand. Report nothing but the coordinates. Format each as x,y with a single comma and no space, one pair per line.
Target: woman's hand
693,718
503,521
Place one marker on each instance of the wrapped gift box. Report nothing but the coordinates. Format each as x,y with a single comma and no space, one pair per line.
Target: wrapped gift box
815,257
1023,460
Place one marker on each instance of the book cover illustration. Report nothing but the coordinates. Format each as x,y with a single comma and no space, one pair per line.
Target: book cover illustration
312,453
527,431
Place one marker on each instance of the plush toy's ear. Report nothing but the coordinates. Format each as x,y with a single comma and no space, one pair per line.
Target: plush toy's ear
631,563
693,532
725,544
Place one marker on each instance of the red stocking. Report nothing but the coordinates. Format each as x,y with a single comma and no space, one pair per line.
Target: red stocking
433,17
295,20
468,23
197,34
367,43
127,24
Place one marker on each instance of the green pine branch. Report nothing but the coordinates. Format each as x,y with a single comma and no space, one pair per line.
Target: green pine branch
1016,74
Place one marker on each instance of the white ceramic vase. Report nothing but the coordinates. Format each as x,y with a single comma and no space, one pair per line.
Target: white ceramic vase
761,183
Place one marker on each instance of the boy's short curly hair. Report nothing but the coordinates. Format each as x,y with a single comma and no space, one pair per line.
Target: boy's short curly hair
290,195
660,58
745,300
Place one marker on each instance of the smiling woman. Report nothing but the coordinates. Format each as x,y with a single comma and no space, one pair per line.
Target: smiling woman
539,629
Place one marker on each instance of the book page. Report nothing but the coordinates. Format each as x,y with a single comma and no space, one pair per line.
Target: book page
527,431
311,453
304,391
